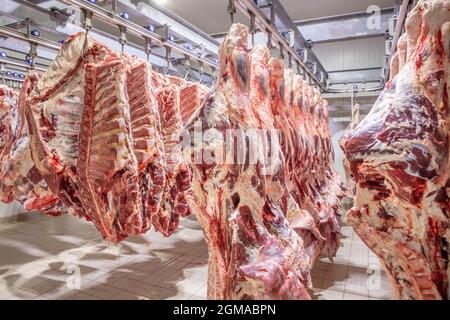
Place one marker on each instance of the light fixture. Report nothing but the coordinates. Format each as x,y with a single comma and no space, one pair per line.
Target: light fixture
171,38
150,27
124,15
35,33
188,46
8,73
29,61
3,54
21,75
15,74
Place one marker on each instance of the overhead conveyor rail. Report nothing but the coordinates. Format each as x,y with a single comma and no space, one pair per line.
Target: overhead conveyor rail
154,17
20,65
70,21
111,18
23,36
272,19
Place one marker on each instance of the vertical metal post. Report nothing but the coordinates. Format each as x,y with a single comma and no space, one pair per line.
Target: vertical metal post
148,47
252,27
231,10
122,37
114,7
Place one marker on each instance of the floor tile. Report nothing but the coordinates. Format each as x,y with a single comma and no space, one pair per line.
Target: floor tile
42,255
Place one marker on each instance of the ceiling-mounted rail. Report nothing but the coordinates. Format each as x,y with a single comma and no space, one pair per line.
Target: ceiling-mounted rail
294,45
398,32
111,18
23,36
12,79
20,65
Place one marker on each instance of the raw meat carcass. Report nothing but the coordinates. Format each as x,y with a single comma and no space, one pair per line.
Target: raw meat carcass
81,137
399,156
191,94
301,220
314,187
178,174
19,178
253,251
148,142
9,102
191,97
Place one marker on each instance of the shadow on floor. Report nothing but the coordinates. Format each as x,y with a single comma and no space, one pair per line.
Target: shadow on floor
35,262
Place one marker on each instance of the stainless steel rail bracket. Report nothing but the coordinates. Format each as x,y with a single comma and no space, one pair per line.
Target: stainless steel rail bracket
32,54
314,67
122,37
291,38
269,40
187,66
163,31
3,71
168,57
148,47
252,28
87,19
305,55
231,10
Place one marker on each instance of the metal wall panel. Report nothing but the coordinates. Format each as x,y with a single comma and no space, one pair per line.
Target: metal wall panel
351,54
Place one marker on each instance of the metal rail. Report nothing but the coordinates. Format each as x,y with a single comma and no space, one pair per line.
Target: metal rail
7,78
23,36
250,8
110,18
398,32
21,65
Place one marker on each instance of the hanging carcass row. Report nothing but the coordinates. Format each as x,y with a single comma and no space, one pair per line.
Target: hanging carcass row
248,157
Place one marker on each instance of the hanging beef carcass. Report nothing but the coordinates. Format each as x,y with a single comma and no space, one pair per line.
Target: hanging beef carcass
178,174
191,94
148,143
399,156
253,251
314,187
191,97
19,178
92,147
9,116
177,101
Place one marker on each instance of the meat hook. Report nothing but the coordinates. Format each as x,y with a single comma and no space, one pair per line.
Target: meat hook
231,10
87,23
148,47
3,70
122,37
252,28
32,54
168,51
187,65
202,73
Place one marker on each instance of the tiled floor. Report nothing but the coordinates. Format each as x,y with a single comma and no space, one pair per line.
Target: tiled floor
65,258
354,274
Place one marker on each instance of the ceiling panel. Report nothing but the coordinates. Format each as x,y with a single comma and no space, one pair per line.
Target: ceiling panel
212,16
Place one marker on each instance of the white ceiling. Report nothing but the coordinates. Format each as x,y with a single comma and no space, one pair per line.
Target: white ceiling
212,16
